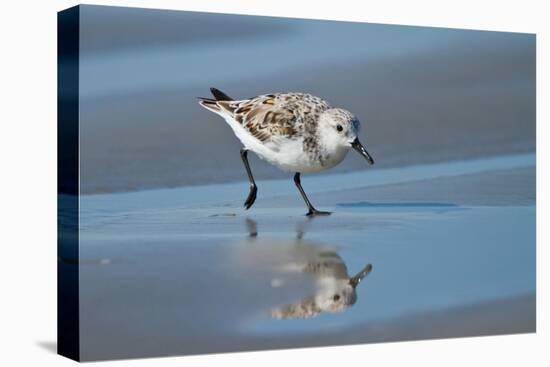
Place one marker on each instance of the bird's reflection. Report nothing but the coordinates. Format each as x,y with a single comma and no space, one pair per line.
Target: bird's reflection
333,289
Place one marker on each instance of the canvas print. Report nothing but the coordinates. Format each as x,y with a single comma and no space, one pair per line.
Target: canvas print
234,183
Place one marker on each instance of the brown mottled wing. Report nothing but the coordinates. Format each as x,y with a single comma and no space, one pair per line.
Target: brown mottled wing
302,310
327,263
265,117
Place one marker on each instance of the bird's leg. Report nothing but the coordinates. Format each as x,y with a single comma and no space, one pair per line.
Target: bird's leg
311,210
252,228
253,188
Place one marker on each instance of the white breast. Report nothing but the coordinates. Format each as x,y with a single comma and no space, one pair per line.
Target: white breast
286,154
290,156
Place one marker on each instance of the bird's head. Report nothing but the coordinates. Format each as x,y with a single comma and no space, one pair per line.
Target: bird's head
340,128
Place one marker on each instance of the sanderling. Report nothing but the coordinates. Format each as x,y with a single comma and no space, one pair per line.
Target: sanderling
336,290
296,132
298,260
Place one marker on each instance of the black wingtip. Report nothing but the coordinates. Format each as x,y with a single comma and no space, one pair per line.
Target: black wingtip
219,95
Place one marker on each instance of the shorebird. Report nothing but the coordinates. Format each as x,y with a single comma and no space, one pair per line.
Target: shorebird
336,290
296,132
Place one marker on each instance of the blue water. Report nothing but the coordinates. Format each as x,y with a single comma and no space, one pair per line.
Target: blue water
430,263
183,271
212,195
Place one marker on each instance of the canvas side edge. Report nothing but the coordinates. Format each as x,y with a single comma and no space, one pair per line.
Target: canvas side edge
68,329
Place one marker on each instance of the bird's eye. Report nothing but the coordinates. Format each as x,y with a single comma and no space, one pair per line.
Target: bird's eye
336,297
339,128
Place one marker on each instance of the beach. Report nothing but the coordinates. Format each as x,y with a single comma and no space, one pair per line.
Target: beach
171,263
187,270
422,95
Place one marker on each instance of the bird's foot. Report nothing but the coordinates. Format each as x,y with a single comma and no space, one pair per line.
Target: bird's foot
314,212
251,197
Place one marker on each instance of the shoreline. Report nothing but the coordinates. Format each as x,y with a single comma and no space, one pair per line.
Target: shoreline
396,166
225,194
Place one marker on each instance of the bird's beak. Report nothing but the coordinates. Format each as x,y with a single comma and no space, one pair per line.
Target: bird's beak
354,282
356,144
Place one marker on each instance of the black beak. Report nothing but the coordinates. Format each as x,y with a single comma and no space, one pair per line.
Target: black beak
354,282
356,144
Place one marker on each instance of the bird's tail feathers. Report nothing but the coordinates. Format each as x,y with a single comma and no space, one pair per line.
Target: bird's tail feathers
219,95
212,104
209,104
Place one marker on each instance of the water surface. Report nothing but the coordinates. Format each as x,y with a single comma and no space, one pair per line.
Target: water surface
167,272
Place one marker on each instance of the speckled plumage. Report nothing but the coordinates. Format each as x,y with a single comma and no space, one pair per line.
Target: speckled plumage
297,132
288,115
274,119
334,292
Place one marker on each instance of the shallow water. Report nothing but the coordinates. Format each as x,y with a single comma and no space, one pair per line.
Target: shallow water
166,273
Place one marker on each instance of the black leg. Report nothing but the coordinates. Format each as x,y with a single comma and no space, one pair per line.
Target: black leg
253,188
311,210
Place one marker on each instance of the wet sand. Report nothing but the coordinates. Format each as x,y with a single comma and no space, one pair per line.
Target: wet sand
179,271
